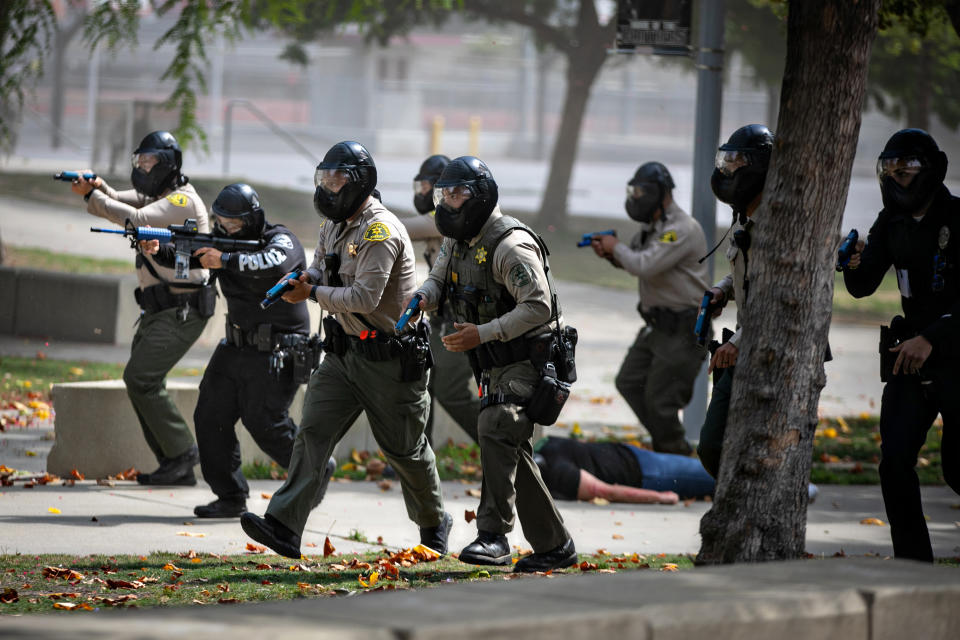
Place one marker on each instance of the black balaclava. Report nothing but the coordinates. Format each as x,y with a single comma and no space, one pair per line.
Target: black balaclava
240,201
466,222
165,174
906,144
430,170
356,161
657,182
739,186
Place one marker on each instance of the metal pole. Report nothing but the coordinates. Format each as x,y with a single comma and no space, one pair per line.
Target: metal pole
227,127
709,62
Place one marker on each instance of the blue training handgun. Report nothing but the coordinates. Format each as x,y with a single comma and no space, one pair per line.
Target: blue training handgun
275,292
588,237
707,307
847,249
70,176
411,308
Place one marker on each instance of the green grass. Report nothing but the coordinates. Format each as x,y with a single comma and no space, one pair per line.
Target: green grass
211,579
847,451
20,376
44,260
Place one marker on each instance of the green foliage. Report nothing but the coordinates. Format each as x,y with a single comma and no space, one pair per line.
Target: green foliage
914,71
847,451
26,27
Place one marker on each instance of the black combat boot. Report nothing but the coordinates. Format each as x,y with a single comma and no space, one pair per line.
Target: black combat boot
221,508
174,471
557,558
489,548
436,537
271,532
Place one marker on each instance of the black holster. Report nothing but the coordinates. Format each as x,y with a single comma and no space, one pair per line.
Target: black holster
296,352
898,331
158,297
334,337
548,397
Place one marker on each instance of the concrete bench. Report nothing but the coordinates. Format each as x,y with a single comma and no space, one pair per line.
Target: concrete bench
97,433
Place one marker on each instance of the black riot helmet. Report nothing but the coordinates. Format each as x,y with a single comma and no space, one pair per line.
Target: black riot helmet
344,180
238,212
464,196
423,182
741,167
646,191
910,152
156,164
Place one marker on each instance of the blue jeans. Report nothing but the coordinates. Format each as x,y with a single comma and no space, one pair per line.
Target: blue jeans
671,472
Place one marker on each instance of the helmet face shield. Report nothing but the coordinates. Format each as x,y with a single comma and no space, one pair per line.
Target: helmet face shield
643,190
230,226
901,169
423,187
145,160
727,162
453,197
332,180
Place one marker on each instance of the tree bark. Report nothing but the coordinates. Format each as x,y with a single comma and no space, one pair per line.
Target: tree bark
62,38
759,510
918,104
582,72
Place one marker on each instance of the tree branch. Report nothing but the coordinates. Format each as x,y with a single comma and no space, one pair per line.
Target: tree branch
510,13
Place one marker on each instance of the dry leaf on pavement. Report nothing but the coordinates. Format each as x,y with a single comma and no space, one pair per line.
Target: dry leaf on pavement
469,516
874,521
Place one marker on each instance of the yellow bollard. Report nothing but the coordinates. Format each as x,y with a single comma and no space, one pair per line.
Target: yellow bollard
436,133
474,135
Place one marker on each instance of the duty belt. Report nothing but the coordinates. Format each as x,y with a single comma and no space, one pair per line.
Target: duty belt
670,321
501,398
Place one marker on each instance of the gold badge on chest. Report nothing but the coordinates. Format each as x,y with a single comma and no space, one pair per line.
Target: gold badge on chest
352,250
481,255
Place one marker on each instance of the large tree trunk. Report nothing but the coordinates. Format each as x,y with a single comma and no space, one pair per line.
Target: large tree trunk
61,41
759,510
918,105
581,74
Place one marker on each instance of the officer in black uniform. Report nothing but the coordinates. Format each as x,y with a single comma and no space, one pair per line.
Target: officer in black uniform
918,232
256,370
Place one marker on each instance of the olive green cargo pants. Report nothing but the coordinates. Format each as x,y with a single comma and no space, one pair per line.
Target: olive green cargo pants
656,379
340,388
510,476
159,343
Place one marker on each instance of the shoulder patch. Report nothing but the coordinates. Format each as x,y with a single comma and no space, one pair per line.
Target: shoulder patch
177,199
283,240
669,236
376,232
520,275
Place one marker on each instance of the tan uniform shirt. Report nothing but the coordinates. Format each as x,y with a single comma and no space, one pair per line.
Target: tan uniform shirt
517,265
376,265
173,208
732,283
666,262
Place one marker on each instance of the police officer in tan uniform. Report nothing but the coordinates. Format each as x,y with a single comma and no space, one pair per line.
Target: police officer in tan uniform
363,273
492,272
451,380
657,375
174,311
